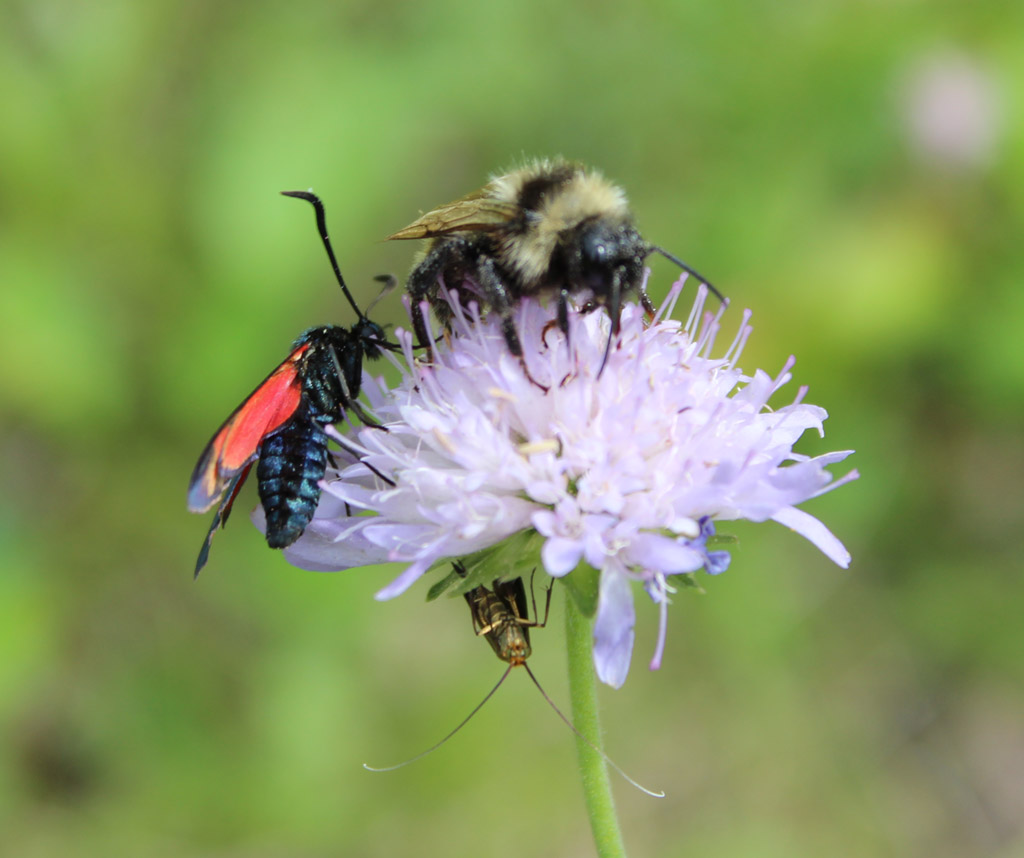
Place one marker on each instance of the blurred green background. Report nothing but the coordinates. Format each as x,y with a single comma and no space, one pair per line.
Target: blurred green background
853,172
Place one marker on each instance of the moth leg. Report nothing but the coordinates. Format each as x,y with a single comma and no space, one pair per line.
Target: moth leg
348,401
348,448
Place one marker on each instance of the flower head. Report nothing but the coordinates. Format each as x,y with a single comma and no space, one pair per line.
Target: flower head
625,470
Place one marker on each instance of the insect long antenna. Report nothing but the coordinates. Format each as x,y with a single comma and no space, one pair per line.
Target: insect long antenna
587,741
321,225
692,271
462,724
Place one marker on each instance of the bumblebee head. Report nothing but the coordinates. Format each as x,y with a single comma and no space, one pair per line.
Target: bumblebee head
609,253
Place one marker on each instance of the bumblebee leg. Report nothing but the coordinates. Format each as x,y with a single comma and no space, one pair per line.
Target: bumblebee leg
615,300
563,315
499,300
423,285
446,259
614,313
645,302
548,326
419,324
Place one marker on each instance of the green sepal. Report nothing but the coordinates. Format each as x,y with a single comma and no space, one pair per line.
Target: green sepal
515,557
440,586
724,539
688,581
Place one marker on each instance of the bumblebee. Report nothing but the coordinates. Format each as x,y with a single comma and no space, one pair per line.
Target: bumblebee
552,228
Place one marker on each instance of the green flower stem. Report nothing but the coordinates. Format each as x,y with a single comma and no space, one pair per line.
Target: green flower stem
597,791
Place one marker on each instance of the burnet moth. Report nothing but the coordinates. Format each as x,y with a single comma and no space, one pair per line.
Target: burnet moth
280,425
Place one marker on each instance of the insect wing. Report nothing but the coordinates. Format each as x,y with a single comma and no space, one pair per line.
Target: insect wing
237,442
470,214
500,617
221,516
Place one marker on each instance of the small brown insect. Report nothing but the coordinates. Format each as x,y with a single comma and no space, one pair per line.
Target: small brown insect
500,616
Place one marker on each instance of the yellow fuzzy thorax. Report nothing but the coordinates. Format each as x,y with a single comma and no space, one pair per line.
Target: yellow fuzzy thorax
584,195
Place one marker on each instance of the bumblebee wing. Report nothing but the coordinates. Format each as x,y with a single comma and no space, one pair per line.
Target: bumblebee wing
475,213
238,441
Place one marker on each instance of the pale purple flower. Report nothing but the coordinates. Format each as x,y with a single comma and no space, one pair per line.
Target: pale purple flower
625,472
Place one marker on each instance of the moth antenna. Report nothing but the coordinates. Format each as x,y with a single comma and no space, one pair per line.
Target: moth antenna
587,741
689,270
321,225
462,724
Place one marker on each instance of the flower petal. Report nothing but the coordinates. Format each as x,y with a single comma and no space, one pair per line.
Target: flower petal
560,556
812,529
625,464
613,629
